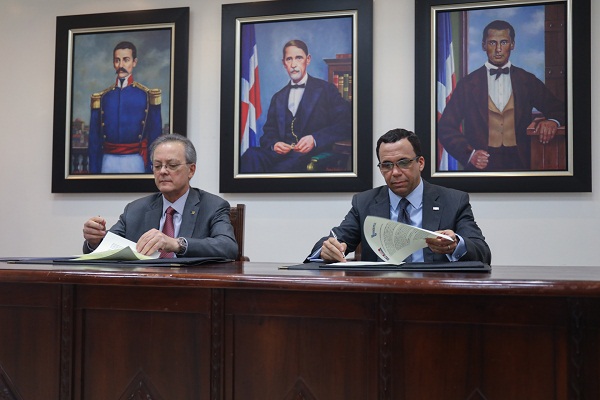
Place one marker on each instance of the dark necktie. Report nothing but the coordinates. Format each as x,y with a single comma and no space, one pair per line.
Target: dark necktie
404,217
302,85
498,71
169,230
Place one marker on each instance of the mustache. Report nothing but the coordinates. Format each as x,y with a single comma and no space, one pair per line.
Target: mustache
121,70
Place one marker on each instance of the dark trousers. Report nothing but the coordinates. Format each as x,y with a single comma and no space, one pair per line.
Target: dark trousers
501,159
260,160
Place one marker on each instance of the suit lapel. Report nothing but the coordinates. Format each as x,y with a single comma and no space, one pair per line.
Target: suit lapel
190,213
380,207
154,214
282,108
309,100
432,208
480,90
519,93
432,215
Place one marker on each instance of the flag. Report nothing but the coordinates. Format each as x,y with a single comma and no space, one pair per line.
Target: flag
249,89
446,82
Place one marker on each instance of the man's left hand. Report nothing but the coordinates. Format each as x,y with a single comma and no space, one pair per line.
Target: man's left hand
154,240
441,245
546,130
305,145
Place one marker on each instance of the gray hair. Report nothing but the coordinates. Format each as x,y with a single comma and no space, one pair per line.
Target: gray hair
190,150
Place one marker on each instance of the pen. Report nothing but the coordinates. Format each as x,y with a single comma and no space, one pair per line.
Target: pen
336,238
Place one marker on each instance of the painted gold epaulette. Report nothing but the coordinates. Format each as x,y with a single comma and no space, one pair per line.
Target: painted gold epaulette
96,97
154,95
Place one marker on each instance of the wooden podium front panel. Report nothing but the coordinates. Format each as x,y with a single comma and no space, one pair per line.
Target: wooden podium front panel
463,347
29,341
259,332
300,345
142,342
587,354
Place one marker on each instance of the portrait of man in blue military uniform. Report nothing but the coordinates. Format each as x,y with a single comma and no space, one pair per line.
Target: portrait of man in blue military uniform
125,119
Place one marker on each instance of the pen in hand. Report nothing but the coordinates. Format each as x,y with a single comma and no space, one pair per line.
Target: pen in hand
102,222
336,238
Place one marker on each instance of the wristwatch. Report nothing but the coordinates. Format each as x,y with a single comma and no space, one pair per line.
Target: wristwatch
183,245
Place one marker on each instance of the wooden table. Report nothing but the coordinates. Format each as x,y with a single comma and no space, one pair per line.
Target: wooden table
252,331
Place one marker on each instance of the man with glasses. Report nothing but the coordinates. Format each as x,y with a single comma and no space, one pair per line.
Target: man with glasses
429,206
200,220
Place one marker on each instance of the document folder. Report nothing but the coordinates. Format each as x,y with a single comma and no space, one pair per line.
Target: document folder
155,262
458,266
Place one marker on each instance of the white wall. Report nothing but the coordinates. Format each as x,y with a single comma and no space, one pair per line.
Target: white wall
522,229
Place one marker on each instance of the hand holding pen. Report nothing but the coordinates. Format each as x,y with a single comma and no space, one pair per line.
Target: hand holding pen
94,230
332,250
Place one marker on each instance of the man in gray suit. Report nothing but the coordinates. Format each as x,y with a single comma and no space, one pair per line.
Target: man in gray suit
201,219
430,207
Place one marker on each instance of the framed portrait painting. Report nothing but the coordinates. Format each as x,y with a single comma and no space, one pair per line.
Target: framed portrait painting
296,96
120,82
502,94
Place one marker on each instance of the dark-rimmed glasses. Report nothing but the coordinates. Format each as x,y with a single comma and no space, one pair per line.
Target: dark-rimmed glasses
403,163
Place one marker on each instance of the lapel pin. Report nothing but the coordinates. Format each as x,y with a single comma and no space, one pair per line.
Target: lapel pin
193,212
436,209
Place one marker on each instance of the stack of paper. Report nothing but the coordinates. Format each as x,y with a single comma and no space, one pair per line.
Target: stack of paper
115,247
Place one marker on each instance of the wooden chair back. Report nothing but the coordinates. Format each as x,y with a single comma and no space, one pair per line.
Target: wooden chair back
237,217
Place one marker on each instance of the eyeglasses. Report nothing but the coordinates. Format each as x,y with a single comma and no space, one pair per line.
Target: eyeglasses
403,163
169,167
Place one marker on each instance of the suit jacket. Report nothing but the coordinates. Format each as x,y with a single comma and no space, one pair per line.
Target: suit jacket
205,223
453,212
469,102
322,112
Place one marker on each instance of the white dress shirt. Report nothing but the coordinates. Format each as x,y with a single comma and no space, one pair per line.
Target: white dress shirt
499,89
296,95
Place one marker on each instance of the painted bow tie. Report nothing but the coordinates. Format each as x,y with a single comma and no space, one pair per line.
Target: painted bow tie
499,71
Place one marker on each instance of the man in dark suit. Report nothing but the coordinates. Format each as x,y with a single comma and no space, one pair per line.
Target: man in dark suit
495,103
201,220
305,117
430,207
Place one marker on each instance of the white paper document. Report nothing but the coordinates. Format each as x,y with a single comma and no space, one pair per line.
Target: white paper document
115,247
393,241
